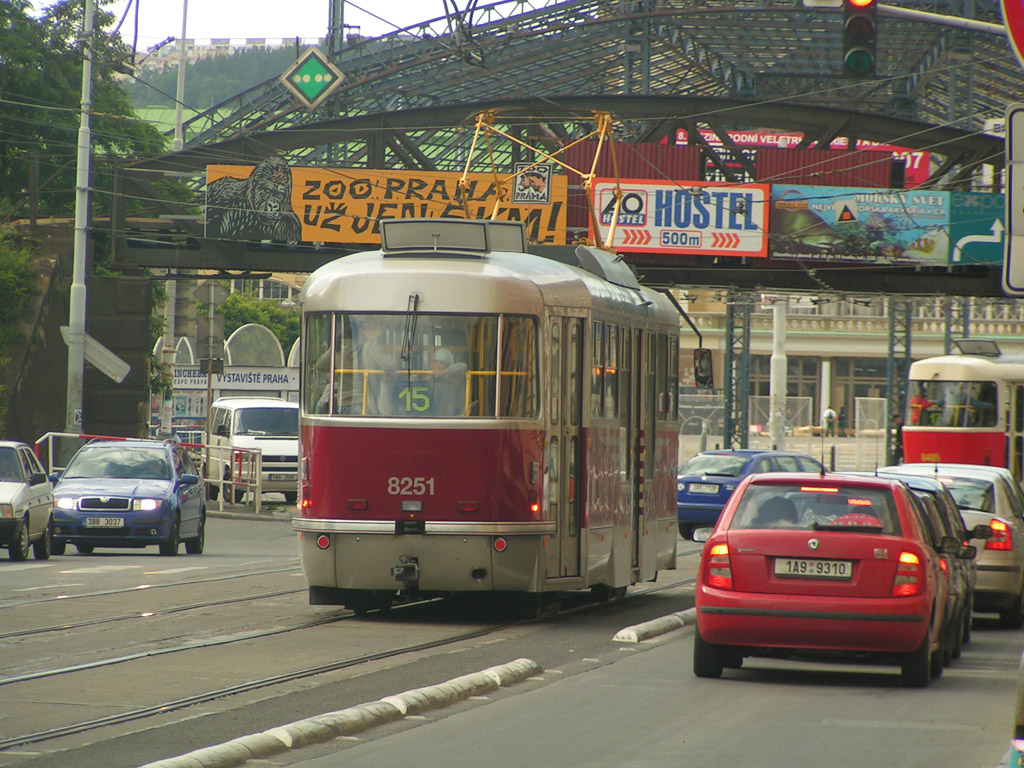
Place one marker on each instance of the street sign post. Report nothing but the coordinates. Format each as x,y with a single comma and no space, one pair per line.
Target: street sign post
1013,263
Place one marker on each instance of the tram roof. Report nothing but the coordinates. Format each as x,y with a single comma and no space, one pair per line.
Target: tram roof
487,282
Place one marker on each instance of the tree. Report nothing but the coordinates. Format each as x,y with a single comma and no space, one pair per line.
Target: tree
41,86
239,309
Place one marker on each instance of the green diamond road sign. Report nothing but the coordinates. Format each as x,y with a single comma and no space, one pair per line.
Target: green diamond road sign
312,78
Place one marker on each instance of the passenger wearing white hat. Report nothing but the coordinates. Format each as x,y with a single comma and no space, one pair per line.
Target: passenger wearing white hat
448,396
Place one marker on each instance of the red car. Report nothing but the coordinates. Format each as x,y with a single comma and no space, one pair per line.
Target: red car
800,564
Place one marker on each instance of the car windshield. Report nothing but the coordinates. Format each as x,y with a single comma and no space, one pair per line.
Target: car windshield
714,464
9,469
119,462
821,506
272,422
972,493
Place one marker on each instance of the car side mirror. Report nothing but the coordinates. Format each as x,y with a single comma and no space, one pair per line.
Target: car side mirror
981,531
36,478
188,479
702,534
54,477
949,546
703,373
968,552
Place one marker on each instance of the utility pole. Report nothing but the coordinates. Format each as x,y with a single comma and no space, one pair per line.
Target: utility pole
74,418
168,355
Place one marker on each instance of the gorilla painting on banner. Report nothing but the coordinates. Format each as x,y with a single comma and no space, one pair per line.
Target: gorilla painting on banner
255,208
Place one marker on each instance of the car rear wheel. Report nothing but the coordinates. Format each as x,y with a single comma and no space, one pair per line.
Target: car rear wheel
707,658
291,496
195,546
58,548
686,530
916,667
42,546
17,549
1013,617
169,548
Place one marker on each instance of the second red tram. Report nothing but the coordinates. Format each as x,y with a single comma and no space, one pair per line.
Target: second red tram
476,418
966,408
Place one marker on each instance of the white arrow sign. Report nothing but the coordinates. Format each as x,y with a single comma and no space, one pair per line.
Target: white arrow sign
105,360
995,237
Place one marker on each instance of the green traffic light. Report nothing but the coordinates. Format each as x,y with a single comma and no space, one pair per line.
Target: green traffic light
859,62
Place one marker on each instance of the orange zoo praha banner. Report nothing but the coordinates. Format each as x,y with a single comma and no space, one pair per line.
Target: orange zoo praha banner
272,201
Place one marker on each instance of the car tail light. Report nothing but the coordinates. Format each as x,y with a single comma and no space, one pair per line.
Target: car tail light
944,568
908,576
719,569
1002,538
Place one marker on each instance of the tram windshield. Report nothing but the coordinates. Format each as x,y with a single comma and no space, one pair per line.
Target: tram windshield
952,403
418,365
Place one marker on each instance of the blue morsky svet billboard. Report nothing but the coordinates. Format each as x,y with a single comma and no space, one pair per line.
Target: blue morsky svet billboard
888,226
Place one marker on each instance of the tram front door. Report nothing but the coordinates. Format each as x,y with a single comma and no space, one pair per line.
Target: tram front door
564,481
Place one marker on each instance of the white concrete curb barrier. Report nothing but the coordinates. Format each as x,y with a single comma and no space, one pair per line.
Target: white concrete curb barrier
355,719
655,627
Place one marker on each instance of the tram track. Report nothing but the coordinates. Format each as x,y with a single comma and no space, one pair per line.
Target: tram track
64,598
269,681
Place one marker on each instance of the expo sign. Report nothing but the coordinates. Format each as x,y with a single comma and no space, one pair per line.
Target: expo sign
695,218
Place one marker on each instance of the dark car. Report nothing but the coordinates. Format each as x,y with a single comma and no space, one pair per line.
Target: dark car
132,493
706,481
837,565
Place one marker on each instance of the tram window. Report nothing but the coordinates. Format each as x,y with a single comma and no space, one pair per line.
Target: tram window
597,371
519,396
556,371
661,375
1018,395
317,356
673,377
611,373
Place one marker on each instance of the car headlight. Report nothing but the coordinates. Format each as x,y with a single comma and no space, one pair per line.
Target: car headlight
145,505
6,510
65,502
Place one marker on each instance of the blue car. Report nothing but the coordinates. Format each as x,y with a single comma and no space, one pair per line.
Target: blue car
132,493
706,481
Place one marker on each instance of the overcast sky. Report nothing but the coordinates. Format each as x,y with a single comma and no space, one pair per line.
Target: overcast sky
271,19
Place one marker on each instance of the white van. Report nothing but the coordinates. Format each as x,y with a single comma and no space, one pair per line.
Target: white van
270,424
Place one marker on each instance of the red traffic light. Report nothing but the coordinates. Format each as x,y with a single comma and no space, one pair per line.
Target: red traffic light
860,3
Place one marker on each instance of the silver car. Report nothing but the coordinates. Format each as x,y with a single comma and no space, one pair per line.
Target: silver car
26,503
990,496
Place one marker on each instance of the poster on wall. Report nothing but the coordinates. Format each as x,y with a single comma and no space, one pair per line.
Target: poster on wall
890,226
700,218
275,202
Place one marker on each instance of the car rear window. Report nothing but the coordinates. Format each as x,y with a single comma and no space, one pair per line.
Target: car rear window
972,493
818,506
715,464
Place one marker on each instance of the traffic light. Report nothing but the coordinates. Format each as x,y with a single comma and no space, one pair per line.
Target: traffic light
859,32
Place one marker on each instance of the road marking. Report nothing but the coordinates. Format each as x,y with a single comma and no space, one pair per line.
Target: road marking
902,724
177,570
51,586
103,569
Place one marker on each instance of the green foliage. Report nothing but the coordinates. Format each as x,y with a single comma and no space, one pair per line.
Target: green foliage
239,309
17,284
210,81
41,84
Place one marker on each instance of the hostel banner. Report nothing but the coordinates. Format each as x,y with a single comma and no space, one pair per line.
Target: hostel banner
275,202
685,217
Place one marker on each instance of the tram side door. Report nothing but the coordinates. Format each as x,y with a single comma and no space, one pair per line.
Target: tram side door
1015,432
564,450
643,433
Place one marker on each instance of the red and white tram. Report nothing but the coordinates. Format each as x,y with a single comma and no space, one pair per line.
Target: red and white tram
966,408
476,418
